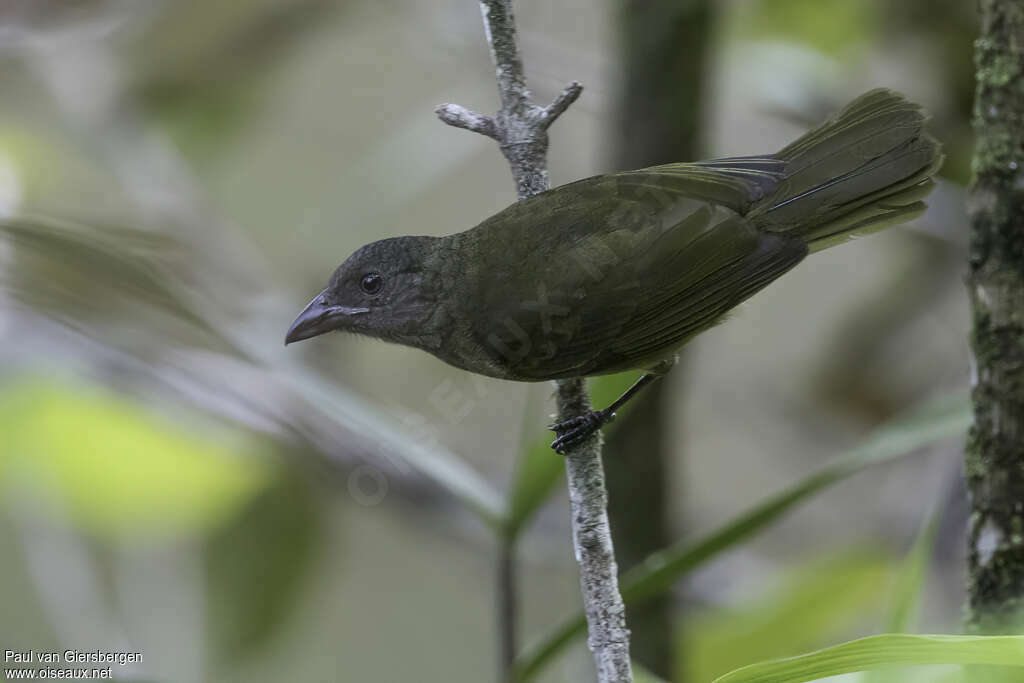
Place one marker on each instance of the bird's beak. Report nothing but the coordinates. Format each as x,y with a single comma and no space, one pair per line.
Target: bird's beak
318,317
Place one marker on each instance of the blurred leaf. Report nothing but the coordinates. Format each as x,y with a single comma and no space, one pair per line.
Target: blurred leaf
606,388
830,26
884,650
540,468
906,591
117,284
537,472
936,419
910,582
256,564
201,121
99,278
118,468
204,84
392,444
817,603
642,675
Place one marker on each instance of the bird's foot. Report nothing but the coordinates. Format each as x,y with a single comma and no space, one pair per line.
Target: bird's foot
574,430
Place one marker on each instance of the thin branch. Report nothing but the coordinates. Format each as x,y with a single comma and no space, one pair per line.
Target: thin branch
608,637
520,127
561,103
507,608
500,26
460,117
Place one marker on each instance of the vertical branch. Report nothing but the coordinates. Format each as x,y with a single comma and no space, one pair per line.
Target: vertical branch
520,128
995,447
608,637
507,607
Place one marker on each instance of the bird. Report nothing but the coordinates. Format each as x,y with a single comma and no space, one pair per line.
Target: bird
618,271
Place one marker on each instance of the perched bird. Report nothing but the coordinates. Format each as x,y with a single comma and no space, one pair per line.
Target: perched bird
618,271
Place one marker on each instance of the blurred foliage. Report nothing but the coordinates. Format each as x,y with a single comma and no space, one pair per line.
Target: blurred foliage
120,468
304,129
885,651
539,469
118,284
203,89
908,588
938,418
830,26
256,565
906,592
642,675
813,605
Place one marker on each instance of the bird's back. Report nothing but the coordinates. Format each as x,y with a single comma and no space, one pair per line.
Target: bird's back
617,271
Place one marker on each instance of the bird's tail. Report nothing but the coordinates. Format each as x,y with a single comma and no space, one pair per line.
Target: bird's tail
866,168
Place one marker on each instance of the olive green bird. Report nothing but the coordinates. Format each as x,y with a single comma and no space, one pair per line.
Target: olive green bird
618,271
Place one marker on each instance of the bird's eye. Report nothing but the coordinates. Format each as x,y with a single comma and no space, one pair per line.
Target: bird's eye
372,283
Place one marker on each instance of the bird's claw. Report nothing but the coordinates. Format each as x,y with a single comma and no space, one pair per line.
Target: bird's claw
574,430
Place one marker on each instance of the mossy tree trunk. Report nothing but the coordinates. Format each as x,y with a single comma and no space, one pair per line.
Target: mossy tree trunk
995,447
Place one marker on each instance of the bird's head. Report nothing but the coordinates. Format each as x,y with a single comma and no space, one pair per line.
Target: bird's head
383,290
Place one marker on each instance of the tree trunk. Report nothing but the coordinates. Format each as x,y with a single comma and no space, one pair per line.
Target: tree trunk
995,447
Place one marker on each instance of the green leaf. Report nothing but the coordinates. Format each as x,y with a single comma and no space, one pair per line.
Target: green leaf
642,675
538,471
831,26
891,649
255,568
606,388
119,469
936,419
815,604
911,579
906,592
540,468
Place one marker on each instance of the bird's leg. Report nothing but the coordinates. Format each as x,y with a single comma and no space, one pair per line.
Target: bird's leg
572,431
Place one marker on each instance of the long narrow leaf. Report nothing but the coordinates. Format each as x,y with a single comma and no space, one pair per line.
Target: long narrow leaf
906,591
887,650
939,418
642,675
910,582
814,604
431,460
540,469
86,276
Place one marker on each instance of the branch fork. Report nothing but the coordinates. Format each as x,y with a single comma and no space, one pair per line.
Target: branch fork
540,117
520,129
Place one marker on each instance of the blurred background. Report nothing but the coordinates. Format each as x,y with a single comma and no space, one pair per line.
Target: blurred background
177,179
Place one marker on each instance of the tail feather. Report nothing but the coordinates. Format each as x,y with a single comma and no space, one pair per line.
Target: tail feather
877,161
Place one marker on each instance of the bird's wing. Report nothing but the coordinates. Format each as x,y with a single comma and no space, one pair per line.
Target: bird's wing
606,278
735,182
